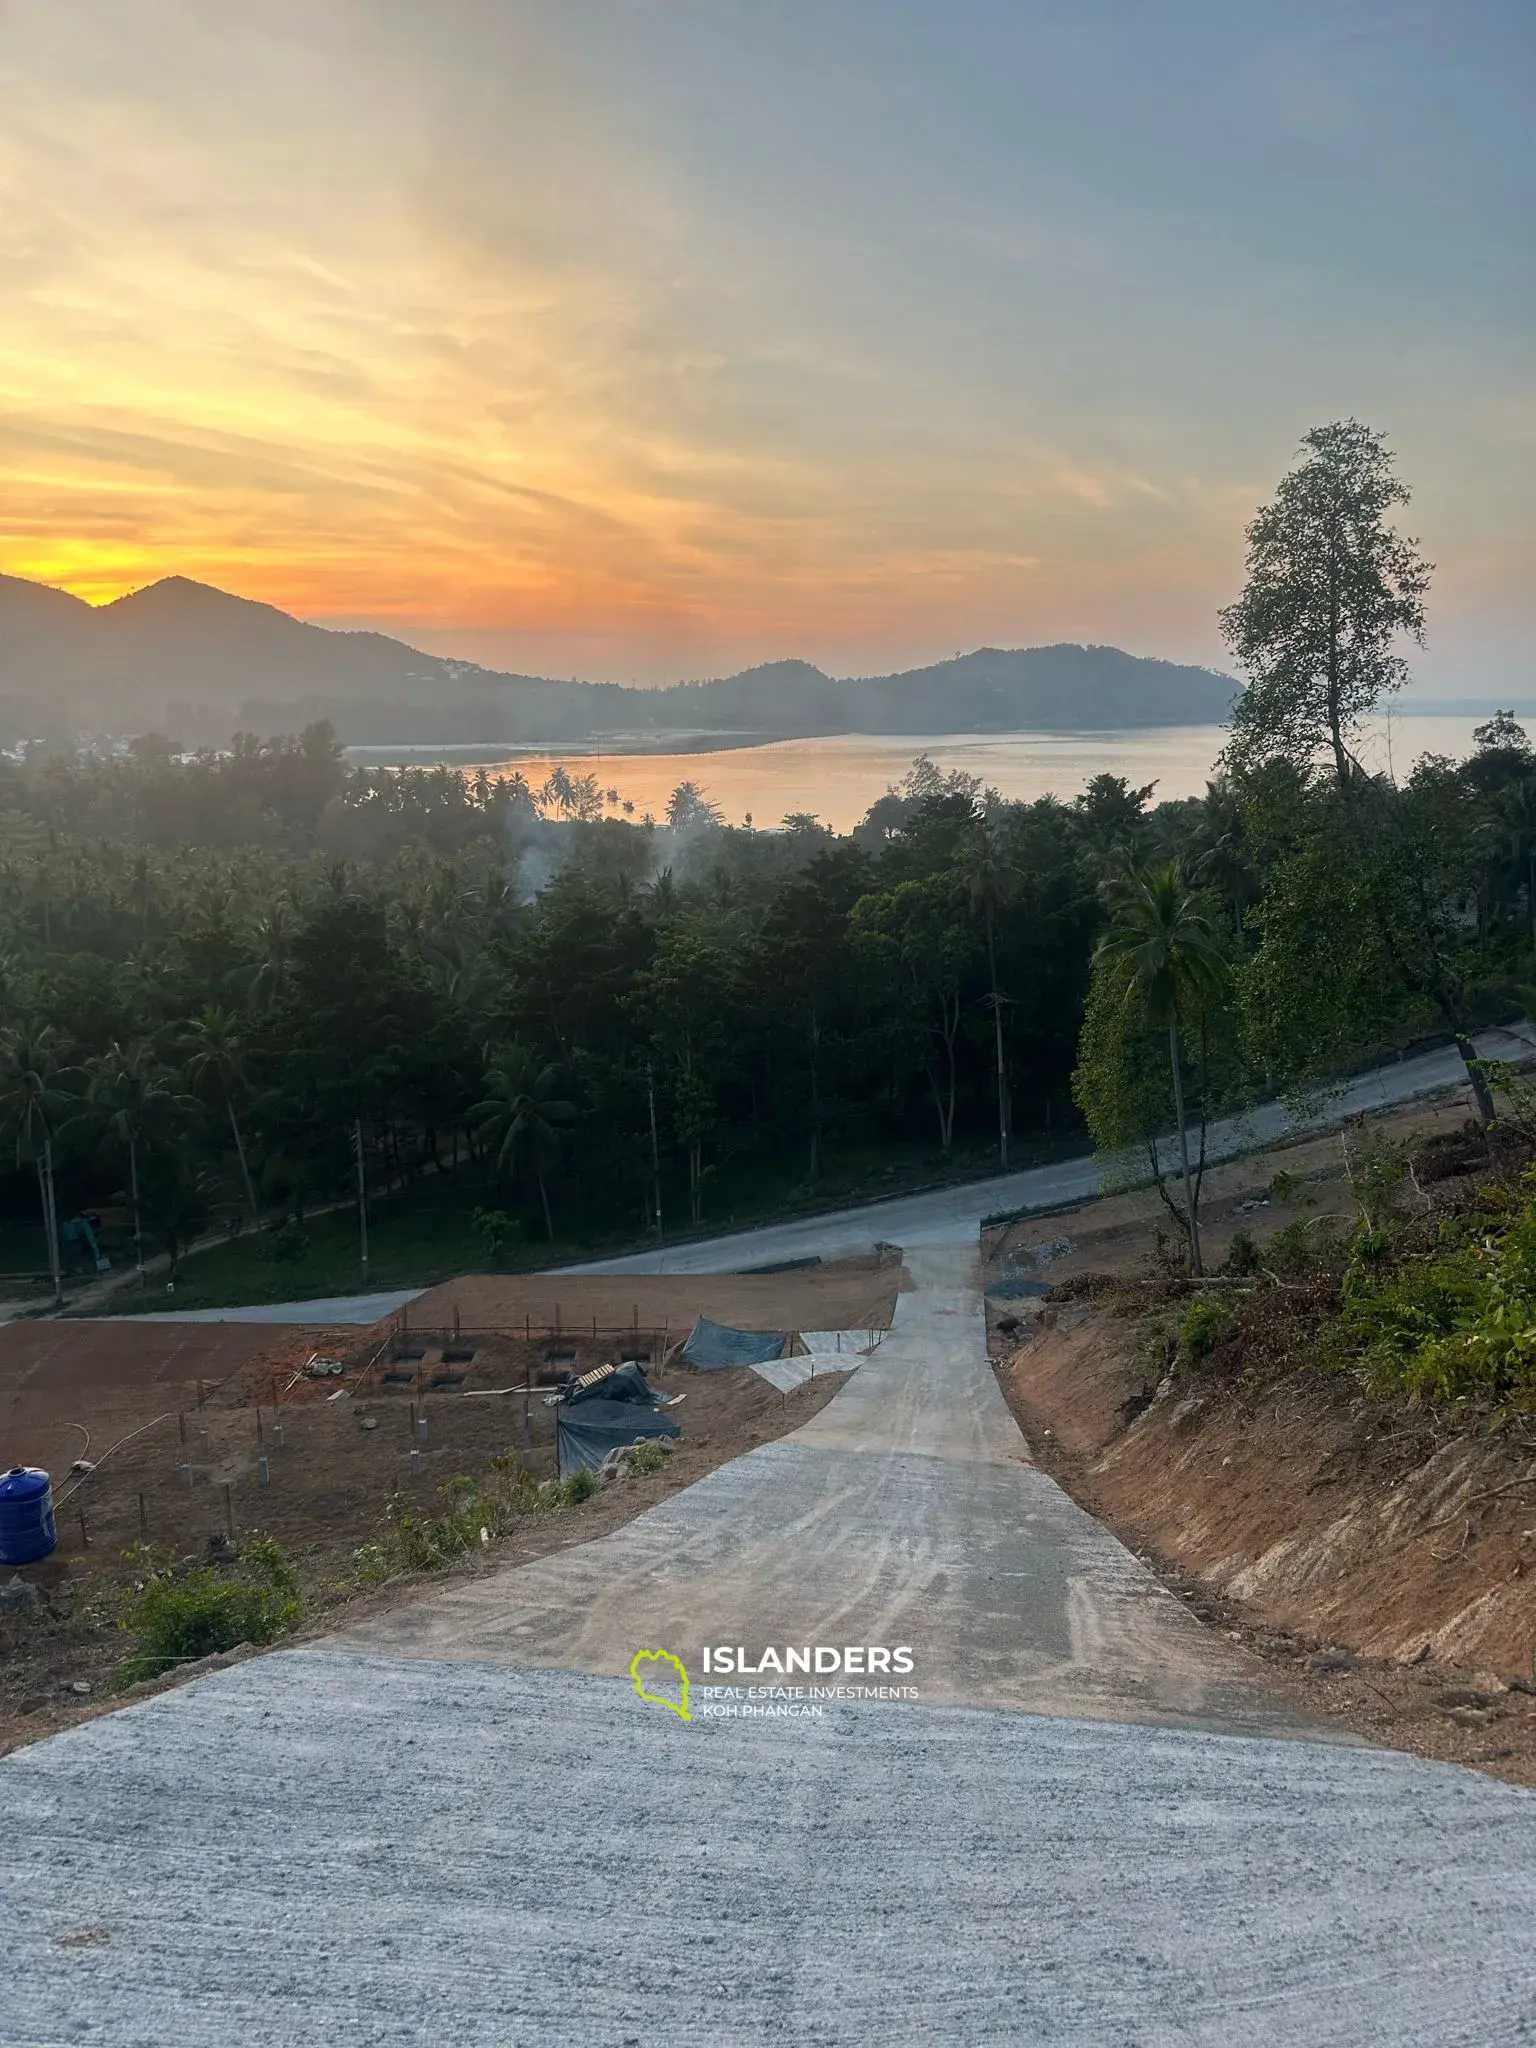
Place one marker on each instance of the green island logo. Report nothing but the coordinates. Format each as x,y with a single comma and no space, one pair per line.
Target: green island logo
649,1659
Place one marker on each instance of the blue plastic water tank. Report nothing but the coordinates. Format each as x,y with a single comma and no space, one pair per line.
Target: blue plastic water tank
27,1529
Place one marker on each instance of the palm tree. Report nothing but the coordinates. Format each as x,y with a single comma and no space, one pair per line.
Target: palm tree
524,1118
32,1105
270,939
1169,951
991,879
134,1096
216,1061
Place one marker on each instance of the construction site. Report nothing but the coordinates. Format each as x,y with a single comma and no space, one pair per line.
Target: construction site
185,1440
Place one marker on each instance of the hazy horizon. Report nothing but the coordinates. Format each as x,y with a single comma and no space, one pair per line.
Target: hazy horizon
643,339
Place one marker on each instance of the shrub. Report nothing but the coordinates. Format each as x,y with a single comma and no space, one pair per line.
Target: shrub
1201,1328
288,1245
580,1486
1302,1246
496,1231
649,1457
1242,1256
178,1619
1457,1319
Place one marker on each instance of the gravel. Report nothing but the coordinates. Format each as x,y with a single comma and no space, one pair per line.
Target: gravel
321,1847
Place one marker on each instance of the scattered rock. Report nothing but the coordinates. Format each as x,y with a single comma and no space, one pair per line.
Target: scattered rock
19,1597
370,1422
1338,1657
1469,1717
1466,1697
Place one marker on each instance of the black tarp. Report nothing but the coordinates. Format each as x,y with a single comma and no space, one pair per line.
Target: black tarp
587,1432
624,1383
713,1344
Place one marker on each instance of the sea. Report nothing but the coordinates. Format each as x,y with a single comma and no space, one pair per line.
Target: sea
836,779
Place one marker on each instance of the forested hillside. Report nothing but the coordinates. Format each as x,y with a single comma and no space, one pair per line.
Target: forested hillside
222,975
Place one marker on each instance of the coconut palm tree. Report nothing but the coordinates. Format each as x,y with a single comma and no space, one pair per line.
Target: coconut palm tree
216,1053
1162,938
523,1117
133,1097
33,1104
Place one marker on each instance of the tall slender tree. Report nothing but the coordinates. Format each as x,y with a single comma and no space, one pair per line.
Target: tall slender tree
1332,588
216,1061
34,1102
134,1098
1162,938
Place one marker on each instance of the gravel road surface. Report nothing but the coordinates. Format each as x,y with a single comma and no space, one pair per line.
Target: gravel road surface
330,1850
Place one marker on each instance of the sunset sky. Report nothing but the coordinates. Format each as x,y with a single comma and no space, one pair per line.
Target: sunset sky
646,338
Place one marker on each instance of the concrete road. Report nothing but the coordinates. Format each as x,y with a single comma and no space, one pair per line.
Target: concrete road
953,1215
332,1851
942,1216
906,1513
328,1308
459,1825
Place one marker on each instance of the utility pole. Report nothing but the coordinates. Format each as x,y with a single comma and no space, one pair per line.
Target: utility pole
362,1194
650,1089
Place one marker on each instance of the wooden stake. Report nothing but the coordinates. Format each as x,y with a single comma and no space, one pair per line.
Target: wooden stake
143,1517
85,1539
258,1423
229,1512
182,1420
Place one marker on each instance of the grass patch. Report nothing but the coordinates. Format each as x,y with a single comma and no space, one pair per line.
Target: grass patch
474,1514
178,1617
436,1230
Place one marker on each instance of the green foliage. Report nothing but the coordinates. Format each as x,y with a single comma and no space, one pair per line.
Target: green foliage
177,1618
1330,587
1243,1256
1201,1327
474,1513
1458,1319
288,1245
496,1230
649,1457
1304,1245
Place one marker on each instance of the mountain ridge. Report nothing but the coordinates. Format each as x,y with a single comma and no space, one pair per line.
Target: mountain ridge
185,655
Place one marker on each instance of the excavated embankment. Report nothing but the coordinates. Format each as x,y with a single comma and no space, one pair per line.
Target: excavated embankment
1305,1509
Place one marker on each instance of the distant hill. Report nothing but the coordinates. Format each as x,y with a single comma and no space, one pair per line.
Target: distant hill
196,662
